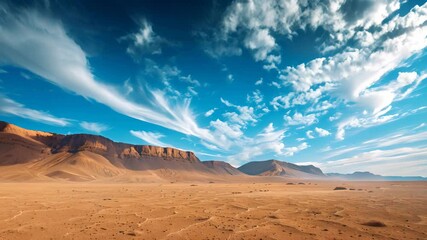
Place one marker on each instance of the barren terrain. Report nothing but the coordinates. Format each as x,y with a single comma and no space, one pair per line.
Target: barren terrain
277,210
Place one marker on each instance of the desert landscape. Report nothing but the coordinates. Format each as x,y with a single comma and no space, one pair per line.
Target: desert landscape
213,119
88,187
276,210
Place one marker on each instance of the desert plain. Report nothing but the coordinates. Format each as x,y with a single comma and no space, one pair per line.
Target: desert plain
214,210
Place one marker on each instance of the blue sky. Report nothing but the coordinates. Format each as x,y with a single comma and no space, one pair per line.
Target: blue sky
338,84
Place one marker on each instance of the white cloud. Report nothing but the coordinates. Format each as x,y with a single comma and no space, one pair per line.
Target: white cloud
151,138
128,87
341,151
265,109
190,80
259,82
322,132
57,58
413,111
319,131
293,99
397,139
358,69
354,75
309,134
94,127
8,106
419,126
257,21
256,97
404,161
290,151
244,116
144,41
230,78
299,119
323,106
227,103
191,92
210,146
268,140
261,43
163,73
167,74
379,98
210,112
365,122
275,84
334,117
218,156
225,130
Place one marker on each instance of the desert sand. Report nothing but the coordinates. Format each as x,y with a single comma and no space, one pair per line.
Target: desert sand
277,210
82,186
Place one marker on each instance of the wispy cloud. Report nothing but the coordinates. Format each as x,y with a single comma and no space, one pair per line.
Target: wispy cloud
299,119
269,140
322,132
405,161
57,58
94,127
230,78
210,112
152,138
9,106
144,41
190,80
397,139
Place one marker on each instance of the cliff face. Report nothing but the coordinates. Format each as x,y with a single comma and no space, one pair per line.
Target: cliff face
85,157
75,143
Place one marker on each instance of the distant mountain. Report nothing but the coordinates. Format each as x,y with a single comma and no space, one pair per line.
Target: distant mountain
27,154
222,167
367,176
278,168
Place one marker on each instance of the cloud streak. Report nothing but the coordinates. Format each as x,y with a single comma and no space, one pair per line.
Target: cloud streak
404,161
9,106
151,138
94,127
60,60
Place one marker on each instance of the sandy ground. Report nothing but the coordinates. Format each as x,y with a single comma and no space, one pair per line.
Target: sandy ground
213,211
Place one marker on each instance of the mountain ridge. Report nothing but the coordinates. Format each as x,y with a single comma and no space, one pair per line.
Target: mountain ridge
274,167
80,142
31,154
